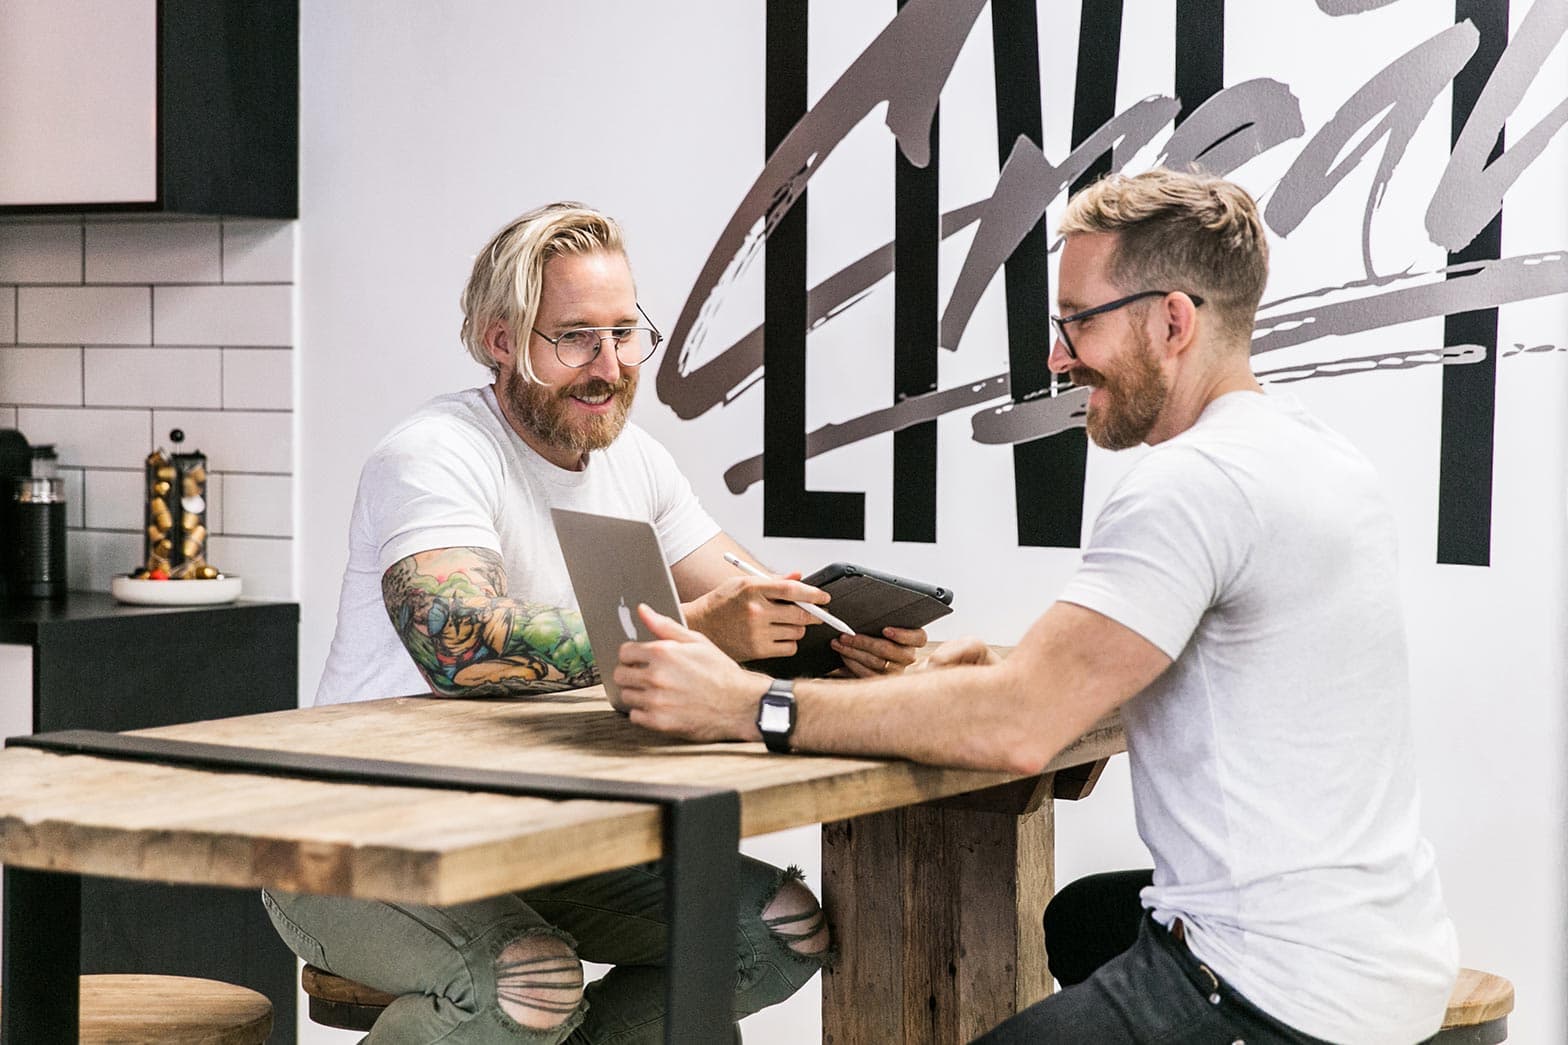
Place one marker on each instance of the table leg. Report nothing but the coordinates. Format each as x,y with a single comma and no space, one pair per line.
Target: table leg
936,914
41,957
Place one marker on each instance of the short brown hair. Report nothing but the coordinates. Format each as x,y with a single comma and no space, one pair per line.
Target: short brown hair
508,273
1176,231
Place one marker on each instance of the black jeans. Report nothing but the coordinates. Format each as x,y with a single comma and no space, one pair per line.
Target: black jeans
1126,979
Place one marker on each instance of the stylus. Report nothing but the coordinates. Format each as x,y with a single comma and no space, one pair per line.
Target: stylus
816,611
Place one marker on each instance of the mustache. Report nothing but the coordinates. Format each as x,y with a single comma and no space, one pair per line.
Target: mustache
599,386
1084,377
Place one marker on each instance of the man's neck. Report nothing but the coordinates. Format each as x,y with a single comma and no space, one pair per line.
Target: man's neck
1188,399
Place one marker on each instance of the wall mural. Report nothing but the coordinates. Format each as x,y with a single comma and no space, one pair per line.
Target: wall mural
1212,125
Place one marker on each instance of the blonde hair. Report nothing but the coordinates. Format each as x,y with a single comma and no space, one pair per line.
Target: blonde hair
1176,231
508,273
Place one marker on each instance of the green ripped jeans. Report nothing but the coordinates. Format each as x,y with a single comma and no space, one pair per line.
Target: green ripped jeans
441,960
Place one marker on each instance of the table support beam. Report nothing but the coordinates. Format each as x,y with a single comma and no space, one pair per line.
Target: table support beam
933,950
41,958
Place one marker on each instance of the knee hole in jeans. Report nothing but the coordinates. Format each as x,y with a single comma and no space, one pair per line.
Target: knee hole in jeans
538,980
795,917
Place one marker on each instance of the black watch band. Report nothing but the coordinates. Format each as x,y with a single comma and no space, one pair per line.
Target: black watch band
776,715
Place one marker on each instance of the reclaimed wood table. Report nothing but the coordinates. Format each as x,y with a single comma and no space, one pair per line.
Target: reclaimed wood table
933,878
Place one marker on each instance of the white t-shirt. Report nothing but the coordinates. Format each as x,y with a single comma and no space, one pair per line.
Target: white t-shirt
456,475
1272,765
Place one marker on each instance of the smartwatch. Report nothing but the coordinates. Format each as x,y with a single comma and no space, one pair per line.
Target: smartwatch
776,715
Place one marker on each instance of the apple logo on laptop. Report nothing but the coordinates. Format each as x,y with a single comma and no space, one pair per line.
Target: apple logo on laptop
628,623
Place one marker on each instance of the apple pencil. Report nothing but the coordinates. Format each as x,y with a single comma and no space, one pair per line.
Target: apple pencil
816,611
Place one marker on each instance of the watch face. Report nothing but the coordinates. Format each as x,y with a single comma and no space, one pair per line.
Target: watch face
774,718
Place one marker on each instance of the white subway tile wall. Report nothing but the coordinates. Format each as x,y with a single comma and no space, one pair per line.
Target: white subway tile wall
41,253
42,376
153,377
112,499
166,252
83,315
258,378
258,252
263,564
73,496
231,314
114,331
260,505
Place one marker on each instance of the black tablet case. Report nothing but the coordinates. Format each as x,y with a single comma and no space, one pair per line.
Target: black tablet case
867,604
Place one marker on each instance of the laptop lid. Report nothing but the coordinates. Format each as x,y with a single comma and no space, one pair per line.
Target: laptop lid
614,564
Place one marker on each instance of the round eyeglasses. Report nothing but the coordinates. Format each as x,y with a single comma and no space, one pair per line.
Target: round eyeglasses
580,346
1060,322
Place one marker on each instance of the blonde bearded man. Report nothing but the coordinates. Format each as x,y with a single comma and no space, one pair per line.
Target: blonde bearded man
455,584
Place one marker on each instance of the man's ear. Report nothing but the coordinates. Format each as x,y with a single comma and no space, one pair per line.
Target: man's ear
1180,318
498,342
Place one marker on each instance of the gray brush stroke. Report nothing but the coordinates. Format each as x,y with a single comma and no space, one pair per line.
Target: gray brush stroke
912,410
1027,185
906,66
1340,8
1471,190
1483,285
1404,92
1235,125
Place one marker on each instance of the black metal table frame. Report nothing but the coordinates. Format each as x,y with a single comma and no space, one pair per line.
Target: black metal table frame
701,835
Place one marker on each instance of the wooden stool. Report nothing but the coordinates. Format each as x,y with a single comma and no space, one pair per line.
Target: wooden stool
170,1010
1477,1010
336,1002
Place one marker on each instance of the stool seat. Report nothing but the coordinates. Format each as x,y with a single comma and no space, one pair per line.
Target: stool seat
170,1010
1478,1010
339,1002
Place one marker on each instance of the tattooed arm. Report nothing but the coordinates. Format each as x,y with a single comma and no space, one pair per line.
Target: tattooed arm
469,639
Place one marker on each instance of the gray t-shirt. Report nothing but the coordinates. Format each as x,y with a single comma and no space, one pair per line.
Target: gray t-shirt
1272,764
455,475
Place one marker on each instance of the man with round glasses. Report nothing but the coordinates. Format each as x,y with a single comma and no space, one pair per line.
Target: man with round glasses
1239,601
456,584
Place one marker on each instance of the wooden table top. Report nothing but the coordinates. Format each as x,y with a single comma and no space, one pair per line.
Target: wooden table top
138,820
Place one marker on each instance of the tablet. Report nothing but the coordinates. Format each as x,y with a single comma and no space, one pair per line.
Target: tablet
866,600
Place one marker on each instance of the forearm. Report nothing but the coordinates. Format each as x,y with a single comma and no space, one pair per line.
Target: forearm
971,716
469,638
521,648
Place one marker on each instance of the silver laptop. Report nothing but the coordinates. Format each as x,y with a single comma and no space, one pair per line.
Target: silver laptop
614,564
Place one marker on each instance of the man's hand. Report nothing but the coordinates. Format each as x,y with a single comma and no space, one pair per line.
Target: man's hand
751,618
967,650
682,683
866,656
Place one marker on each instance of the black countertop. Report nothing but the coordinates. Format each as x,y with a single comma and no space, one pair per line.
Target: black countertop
24,620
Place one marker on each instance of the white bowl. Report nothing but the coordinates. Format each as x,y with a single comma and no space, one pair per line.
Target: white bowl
144,592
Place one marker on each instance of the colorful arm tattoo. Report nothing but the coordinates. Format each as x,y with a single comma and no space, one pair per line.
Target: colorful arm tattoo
450,608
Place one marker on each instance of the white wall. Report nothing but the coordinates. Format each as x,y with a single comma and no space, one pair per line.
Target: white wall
114,331
424,131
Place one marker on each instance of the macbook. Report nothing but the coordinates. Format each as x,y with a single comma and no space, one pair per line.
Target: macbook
614,564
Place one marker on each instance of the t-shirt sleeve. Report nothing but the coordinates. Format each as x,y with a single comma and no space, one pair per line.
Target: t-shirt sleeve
1171,540
678,516
427,486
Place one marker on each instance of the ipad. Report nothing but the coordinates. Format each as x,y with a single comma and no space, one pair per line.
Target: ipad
866,600
614,564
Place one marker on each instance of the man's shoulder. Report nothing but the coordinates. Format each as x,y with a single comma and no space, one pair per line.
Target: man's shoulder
461,415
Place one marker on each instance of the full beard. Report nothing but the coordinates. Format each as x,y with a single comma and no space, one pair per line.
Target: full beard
1136,391
547,412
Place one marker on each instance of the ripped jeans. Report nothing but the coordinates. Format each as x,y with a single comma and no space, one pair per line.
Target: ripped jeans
441,961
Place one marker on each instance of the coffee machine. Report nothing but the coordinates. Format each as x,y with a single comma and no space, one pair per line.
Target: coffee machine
32,521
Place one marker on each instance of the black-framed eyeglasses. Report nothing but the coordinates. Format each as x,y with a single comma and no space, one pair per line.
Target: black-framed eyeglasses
580,346
1060,322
